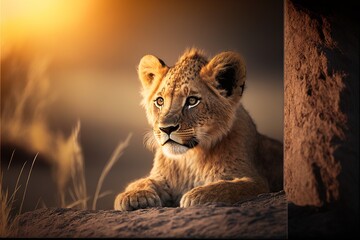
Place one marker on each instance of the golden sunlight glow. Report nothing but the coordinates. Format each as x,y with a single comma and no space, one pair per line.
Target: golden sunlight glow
23,20
19,8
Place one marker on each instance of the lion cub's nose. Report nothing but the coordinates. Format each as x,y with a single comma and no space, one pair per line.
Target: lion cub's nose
169,129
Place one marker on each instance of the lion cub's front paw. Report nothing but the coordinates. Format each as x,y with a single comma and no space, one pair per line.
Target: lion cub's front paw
197,196
133,200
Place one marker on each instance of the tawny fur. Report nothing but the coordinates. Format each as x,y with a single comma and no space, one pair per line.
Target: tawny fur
216,153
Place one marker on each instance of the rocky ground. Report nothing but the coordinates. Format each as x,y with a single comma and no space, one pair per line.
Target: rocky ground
262,217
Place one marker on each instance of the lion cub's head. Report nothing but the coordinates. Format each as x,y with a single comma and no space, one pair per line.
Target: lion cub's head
192,104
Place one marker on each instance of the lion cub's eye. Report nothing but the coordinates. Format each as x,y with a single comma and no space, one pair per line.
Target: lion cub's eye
192,101
159,102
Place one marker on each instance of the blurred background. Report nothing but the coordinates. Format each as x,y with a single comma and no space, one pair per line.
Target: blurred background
66,62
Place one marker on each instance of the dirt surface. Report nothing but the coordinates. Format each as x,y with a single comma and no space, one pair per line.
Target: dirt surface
262,217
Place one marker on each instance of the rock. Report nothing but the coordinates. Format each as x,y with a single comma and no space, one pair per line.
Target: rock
321,104
263,216
321,118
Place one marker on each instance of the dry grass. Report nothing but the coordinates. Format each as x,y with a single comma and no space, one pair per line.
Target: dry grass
8,223
27,182
77,191
24,123
114,157
5,208
24,118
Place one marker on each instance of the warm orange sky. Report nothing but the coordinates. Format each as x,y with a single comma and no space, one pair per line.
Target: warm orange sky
85,54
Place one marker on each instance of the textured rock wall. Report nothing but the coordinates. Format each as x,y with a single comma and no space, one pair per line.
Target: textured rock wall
321,143
321,109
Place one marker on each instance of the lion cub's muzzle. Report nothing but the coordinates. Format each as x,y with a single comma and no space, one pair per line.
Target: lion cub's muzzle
174,134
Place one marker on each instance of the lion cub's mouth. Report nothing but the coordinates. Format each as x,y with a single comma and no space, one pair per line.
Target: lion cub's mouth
192,143
174,149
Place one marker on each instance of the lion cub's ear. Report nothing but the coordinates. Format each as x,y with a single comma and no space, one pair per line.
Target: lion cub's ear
150,69
227,72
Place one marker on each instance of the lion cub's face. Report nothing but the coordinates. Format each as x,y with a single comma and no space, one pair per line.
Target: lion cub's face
192,104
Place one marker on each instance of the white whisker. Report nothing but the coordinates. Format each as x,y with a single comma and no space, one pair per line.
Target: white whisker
150,141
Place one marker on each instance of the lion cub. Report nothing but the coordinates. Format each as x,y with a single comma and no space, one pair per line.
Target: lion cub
207,148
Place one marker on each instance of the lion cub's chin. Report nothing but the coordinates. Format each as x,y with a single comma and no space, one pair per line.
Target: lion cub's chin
174,150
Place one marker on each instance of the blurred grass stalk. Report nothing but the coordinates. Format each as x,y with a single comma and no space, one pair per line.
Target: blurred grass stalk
113,159
78,191
8,223
24,123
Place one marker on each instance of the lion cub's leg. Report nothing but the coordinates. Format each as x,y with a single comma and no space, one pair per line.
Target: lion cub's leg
223,191
139,194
